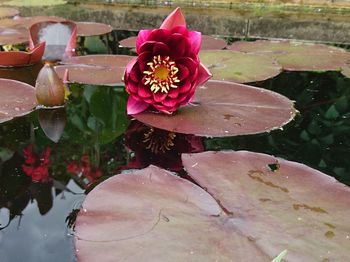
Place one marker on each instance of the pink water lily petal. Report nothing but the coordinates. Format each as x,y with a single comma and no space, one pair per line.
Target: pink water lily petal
196,41
135,107
174,19
21,58
203,74
141,38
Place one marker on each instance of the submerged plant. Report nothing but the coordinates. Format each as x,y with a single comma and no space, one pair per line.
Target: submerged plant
167,70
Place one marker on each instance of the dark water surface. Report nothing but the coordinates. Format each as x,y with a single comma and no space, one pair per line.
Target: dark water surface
99,141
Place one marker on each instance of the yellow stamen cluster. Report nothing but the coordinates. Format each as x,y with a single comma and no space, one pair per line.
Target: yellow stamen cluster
161,74
159,143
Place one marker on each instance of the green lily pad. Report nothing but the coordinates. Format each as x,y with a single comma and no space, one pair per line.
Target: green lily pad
8,12
17,99
226,109
297,56
239,67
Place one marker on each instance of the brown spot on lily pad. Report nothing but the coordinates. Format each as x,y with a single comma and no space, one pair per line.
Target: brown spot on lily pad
297,56
255,110
16,99
92,29
239,67
223,176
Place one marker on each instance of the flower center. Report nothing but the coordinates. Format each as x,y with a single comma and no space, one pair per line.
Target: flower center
158,142
161,74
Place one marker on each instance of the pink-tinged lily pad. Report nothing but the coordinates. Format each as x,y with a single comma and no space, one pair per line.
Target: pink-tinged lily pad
152,215
292,55
92,75
94,69
12,36
346,71
8,12
226,109
16,99
26,22
208,43
239,67
92,29
21,58
60,38
277,204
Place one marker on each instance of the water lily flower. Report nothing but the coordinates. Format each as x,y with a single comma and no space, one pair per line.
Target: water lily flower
167,70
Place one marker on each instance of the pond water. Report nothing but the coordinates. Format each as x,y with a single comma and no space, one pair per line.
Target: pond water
99,141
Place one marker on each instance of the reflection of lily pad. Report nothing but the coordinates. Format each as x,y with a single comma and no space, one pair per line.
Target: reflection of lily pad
166,217
239,67
226,109
8,12
281,209
208,43
92,28
296,56
16,99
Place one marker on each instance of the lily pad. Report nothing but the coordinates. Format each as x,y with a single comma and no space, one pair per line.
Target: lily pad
294,207
346,71
26,22
239,67
208,43
291,55
16,99
12,36
226,109
152,215
95,69
8,12
92,75
92,28
35,3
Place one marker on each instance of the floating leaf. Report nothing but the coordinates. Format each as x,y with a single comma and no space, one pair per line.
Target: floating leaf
239,67
208,43
95,69
226,109
152,215
59,37
92,29
16,99
291,55
346,71
52,122
50,90
12,36
288,208
21,58
8,12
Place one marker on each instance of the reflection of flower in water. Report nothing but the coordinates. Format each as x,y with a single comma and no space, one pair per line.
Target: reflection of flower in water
36,165
85,170
159,147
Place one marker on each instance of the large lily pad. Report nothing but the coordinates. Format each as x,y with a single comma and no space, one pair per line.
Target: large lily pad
92,75
92,28
292,55
8,12
16,99
293,207
226,109
12,36
95,69
239,67
151,215
208,43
